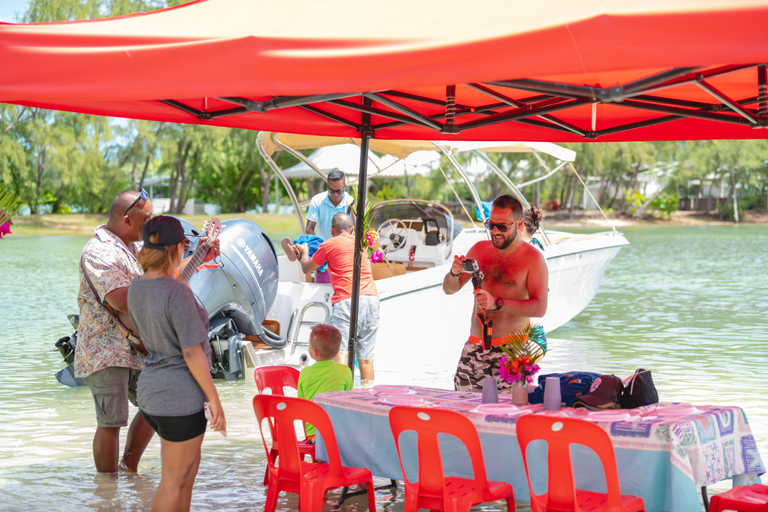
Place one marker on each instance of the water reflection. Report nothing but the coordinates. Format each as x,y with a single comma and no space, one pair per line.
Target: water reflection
687,303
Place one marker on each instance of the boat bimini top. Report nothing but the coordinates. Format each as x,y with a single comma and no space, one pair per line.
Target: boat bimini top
269,143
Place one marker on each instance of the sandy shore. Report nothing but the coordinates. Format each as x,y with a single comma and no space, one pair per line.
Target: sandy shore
679,218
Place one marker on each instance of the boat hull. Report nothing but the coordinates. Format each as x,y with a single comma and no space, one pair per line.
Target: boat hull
419,321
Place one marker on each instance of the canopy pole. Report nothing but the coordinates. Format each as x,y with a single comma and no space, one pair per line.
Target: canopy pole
362,187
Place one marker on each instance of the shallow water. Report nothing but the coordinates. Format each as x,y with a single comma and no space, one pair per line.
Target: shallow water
689,303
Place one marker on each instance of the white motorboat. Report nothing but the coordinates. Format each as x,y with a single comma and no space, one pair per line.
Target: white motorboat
420,239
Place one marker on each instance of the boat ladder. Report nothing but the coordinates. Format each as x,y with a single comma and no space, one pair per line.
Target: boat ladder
294,333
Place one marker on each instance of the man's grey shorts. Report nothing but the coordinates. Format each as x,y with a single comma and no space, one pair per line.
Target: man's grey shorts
367,324
112,388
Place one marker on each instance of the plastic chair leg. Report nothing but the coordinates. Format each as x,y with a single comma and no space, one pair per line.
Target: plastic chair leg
273,457
346,494
272,493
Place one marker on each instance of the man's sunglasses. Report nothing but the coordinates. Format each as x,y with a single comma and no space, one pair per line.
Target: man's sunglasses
501,227
142,195
335,191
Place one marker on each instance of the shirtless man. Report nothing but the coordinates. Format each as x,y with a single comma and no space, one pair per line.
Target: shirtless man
513,290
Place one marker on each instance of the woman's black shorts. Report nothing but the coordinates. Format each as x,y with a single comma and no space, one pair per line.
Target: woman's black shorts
177,428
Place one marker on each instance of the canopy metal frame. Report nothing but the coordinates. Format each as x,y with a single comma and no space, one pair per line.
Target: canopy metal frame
512,100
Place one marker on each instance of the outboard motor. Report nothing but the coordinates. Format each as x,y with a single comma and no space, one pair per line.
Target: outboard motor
66,347
238,293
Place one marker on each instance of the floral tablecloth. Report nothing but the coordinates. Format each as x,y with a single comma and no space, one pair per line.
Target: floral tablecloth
664,452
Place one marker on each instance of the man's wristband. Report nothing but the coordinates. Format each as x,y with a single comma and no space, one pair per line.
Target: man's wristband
454,275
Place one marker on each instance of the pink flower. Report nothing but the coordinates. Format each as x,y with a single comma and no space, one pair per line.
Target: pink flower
376,257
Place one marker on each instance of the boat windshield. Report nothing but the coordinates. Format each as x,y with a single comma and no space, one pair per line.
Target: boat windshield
431,216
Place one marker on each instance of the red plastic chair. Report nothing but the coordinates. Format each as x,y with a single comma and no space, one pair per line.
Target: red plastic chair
742,498
434,490
562,495
310,480
276,379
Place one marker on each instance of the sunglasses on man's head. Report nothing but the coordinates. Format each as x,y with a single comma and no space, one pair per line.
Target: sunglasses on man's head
500,226
336,191
142,195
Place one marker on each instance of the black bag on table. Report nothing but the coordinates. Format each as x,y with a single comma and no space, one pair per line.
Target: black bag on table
639,390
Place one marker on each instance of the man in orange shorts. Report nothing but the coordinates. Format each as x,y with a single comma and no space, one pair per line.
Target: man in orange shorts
514,290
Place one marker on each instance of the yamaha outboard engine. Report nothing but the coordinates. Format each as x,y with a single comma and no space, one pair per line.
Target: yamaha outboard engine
237,290
238,293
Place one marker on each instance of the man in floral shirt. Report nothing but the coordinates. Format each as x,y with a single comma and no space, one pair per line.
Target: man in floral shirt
103,354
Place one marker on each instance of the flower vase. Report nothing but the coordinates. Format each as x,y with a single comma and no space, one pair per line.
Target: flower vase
520,393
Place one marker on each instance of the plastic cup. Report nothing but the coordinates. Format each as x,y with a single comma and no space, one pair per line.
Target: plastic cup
490,391
552,396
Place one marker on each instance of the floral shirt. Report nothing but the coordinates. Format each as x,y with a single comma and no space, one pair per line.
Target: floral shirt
110,265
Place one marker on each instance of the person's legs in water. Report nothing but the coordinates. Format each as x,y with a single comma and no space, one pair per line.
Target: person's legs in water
366,372
180,441
112,388
139,435
106,446
180,461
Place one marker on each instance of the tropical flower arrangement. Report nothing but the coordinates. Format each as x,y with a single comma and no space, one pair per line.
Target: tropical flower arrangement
368,241
524,350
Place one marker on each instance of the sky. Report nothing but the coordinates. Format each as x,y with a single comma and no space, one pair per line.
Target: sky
9,9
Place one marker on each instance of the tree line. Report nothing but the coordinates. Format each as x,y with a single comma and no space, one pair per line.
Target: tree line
61,161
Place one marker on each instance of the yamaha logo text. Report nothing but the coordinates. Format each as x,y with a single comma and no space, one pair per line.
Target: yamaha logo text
251,256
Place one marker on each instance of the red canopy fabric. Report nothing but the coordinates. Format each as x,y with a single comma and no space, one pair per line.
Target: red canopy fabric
558,71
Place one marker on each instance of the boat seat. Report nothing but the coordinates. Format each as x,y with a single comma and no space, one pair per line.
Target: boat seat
432,230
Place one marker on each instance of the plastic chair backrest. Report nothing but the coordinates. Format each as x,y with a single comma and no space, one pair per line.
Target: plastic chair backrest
428,423
560,433
283,412
276,378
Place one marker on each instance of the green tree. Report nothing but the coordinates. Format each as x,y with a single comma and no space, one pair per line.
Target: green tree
235,175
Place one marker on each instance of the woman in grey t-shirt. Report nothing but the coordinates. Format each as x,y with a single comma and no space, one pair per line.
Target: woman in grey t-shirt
176,380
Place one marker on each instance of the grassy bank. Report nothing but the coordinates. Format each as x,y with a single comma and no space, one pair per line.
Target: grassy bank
76,224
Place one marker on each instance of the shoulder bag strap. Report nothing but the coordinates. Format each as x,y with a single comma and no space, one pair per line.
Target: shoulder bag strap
122,327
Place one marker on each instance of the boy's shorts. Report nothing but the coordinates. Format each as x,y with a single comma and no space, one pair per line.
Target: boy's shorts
112,388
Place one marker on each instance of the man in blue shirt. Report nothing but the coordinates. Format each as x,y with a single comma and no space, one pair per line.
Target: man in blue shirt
325,205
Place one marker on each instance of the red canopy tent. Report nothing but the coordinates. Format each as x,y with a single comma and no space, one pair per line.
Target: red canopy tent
554,70
557,70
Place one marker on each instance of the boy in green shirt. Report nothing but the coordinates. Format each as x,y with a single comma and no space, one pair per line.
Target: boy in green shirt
325,375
